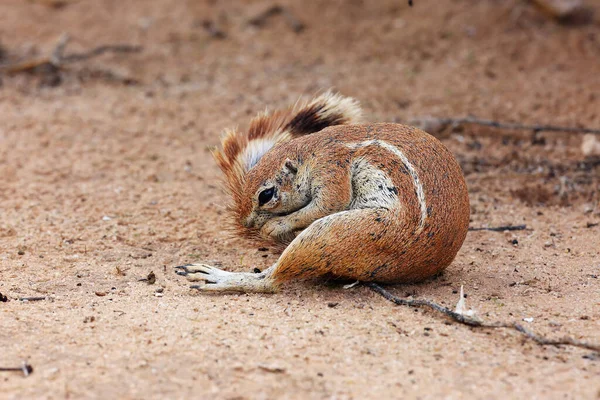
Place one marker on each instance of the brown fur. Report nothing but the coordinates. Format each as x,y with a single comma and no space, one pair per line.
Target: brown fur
375,244
377,202
278,127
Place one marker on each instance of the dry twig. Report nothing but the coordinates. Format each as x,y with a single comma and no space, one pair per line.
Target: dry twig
501,228
25,368
56,4
213,29
57,59
261,18
474,322
39,298
439,124
112,48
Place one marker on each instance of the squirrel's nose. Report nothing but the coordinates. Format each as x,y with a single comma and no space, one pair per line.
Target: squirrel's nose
248,222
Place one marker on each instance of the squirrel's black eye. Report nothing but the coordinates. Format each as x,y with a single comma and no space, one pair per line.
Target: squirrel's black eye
265,196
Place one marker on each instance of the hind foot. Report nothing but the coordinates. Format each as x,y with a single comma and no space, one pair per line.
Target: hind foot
216,280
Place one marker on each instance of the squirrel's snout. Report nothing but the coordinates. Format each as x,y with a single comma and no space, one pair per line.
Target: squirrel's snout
255,220
248,222
252,221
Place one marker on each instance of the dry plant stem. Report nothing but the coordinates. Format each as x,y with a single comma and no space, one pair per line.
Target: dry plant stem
57,54
213,29
424,303
515,126
114,48
32,298
25,368
501,228
295,24
57,58
259,20
567,341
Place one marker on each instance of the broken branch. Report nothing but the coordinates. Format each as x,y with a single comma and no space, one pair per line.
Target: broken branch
38,298
438,124
422,302
470,321
57,58
25,368
260,19
501,228
110,48
213,29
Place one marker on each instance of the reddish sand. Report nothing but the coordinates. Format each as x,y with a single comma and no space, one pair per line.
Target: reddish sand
102,182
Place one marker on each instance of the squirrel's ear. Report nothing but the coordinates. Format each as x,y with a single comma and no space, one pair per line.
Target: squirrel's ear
329,109
291,166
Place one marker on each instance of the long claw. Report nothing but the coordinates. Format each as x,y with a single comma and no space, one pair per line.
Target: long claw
182,269
215,279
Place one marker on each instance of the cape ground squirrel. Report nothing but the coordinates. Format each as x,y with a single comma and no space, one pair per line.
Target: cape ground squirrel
376,202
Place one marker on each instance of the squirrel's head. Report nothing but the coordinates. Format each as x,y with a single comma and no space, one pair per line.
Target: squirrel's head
272,189
260,185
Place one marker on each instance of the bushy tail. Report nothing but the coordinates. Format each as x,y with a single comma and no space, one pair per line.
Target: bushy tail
326,110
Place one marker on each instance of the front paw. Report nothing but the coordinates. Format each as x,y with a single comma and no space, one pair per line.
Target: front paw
278,229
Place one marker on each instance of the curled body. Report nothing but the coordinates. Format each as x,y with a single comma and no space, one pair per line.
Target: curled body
370,202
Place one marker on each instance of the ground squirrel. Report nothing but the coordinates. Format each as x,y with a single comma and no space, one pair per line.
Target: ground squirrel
369,202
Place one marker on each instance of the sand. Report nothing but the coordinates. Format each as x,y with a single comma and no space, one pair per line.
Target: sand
106,175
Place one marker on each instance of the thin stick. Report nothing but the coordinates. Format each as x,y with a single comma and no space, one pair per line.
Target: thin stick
535,128
422,302
57,55
501,228
57,58
32,298
260,19
25,368
95,52
466,320
52,61
516,126
463,319
213,29
294,23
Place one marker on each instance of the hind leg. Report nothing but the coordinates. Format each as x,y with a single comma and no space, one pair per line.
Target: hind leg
365,244
330,245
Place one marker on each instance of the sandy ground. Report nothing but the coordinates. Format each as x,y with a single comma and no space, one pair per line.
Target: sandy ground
105,176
